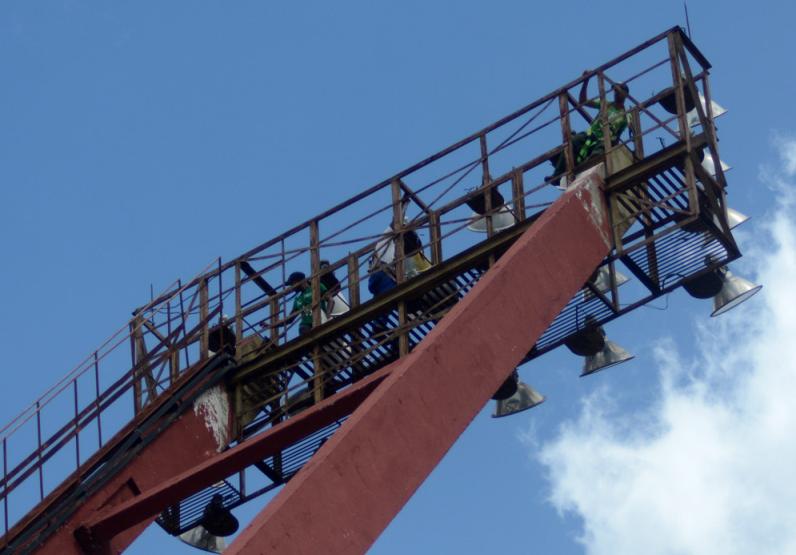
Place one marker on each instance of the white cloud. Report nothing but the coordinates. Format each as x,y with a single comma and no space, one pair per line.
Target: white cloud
709,469
788,155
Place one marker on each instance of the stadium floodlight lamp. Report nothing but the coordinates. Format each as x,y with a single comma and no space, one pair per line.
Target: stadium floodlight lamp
508,387
502,214
735,218
709,163
200,538
715,108
601,281
524,398
734,291
589,340
610,355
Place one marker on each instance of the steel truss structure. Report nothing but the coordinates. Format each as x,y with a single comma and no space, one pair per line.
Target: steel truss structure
654,210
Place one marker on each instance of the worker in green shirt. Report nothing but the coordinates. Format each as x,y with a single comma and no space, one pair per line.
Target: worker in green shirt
590,142
615,114
302,303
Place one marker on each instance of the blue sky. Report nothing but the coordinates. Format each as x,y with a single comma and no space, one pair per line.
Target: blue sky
139,141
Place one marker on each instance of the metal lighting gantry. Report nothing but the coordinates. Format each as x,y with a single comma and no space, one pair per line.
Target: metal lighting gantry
352,416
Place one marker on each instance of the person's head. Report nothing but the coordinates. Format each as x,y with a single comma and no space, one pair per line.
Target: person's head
296,279
621,90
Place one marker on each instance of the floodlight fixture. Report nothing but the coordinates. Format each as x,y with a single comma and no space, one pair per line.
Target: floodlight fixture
524,398
610,355
734,291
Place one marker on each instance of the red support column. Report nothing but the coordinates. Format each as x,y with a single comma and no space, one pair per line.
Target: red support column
197,435
359,480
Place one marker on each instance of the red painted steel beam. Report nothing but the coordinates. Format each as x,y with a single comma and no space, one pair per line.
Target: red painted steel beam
104,525
165,457
358,481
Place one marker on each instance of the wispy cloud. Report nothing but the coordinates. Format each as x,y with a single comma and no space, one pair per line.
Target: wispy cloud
788,155
709,468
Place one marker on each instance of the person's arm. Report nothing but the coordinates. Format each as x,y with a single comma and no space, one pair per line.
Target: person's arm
582,98
294,312
327,300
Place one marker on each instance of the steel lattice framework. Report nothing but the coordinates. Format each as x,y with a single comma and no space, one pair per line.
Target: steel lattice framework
298,406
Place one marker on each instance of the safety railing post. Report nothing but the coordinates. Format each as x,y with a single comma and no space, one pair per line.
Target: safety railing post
242,482
141,369
435,234
490,224
677,81
238,305
282,310
97,406
353,281
354,301
134,358
38,451
682,120
203,312
184,326
518,194
485,177
398,231
5,484
644,215
220,294
77,426
174,359
315,283
274,318
566,136
605,125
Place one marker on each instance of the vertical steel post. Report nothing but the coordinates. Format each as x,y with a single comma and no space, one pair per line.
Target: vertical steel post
518,194
238,305
644,215
353,281
220,295
315,282
141,372
606,126
682,121
485,177
174,355
5,483
38,450
97,405
134,372
566,135
400,272
274,321
77,427
184,326
485,182
203,312
435,234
